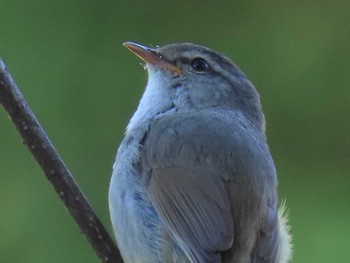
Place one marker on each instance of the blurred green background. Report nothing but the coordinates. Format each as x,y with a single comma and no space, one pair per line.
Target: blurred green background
67,57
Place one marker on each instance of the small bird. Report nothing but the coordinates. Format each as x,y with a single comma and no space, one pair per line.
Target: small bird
193,179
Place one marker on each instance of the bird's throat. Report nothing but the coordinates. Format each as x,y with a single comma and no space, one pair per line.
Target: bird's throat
155,99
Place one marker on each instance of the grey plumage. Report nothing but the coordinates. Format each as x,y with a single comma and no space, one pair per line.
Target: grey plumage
193,179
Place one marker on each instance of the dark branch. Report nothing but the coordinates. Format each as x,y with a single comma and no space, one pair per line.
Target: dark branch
55,170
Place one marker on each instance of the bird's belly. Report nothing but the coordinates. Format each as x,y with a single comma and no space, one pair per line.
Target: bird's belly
140,233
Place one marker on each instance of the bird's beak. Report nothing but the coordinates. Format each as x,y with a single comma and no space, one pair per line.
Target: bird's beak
151,56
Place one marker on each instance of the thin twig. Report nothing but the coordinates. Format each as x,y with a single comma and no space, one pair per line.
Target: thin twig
55,170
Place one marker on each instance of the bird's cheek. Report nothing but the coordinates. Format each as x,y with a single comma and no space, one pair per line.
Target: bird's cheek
181,97
178,82
176,85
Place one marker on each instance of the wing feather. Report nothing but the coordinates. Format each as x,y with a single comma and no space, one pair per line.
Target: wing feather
189,167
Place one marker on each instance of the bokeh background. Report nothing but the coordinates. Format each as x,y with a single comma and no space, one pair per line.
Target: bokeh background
67,57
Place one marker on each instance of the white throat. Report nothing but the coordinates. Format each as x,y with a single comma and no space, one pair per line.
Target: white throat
155,100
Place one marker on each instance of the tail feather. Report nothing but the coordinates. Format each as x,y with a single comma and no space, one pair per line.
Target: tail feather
286,247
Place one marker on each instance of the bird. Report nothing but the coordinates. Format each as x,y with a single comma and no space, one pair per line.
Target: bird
193,179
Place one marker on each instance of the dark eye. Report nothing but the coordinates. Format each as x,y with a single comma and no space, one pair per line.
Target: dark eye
200,65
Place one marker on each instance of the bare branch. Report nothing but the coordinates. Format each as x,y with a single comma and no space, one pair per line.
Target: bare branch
55,170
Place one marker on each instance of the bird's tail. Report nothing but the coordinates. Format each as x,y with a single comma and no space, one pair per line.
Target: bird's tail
286,246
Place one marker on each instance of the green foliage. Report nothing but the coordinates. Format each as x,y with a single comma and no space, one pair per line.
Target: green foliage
67,58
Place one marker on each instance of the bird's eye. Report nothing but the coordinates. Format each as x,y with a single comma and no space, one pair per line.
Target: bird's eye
200,65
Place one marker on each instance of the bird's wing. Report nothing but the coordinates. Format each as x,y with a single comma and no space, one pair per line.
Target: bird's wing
184,169
195,211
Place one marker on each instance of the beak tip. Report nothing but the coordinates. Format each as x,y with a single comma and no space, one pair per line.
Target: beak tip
128,44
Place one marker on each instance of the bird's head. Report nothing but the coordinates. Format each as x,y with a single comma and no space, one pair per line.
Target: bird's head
188,77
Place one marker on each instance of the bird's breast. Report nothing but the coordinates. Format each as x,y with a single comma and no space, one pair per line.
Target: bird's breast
136,224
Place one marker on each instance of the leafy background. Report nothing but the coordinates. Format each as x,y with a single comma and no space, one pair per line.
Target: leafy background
67,58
